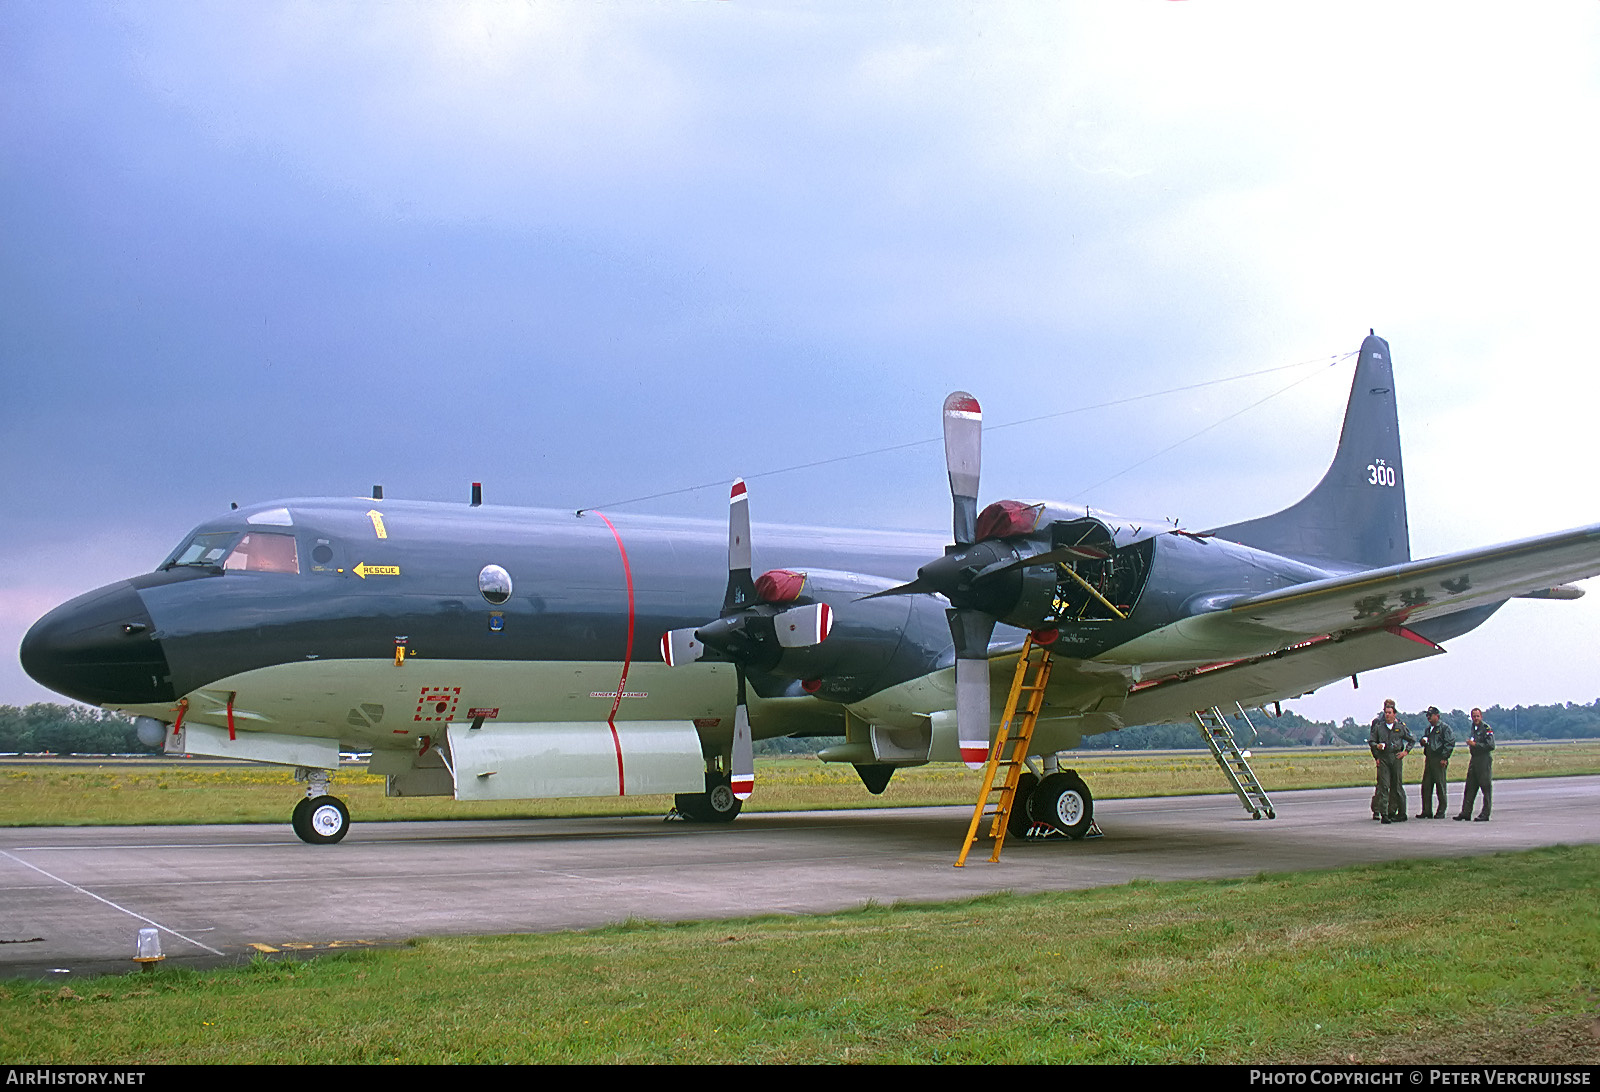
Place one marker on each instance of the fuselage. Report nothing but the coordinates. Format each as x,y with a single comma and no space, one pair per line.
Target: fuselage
370,621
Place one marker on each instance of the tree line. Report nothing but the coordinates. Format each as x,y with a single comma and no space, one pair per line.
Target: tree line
45,727
1518,722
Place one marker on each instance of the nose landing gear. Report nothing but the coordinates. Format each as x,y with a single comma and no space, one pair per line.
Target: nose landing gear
319,819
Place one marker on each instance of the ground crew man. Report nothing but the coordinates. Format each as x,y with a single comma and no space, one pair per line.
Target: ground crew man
1480,768
1389,741
1437,743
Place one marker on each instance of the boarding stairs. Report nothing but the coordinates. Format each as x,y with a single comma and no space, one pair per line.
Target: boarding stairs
1213,724
1010,750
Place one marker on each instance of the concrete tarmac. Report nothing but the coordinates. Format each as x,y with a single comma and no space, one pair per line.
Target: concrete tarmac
72,899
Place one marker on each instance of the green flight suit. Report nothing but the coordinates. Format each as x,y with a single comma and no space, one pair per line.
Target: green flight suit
1480,771
1388,744
1437,745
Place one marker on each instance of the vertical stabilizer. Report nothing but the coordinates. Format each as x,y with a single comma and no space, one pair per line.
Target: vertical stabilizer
1357,513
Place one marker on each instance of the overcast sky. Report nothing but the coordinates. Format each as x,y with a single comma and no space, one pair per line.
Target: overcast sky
585,252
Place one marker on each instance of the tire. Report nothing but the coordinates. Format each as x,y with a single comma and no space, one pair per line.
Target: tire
327,821
1065,802
716,805
298,819
1021,818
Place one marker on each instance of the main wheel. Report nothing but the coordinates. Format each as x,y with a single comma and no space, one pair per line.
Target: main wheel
327,821
1065,802
1021,818
716,805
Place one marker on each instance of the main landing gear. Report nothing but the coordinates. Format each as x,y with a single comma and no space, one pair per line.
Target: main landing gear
716,805
1058,804
319,819
1063,801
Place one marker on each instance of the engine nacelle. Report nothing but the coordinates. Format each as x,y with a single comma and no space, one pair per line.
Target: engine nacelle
864,640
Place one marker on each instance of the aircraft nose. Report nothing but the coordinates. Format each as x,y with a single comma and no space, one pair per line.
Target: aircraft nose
99,648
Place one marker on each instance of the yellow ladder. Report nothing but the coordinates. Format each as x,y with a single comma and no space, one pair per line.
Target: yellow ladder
1010,749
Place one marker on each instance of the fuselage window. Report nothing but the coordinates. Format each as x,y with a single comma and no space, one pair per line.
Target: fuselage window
264,552
495,584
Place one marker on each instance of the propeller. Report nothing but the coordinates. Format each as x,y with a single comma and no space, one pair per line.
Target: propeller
955,576
752,630
981,575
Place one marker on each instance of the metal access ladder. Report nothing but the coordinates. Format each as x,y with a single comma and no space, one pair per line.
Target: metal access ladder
1225,749
1010,749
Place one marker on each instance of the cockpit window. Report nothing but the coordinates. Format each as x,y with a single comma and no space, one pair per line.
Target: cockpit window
204,551
264,552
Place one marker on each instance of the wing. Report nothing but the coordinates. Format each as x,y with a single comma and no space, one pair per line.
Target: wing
1378,599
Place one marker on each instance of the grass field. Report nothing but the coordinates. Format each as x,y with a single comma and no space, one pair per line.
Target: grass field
1484,959
135,791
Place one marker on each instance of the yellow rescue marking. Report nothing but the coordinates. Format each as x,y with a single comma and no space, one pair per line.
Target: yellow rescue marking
377,523
363,570
263,947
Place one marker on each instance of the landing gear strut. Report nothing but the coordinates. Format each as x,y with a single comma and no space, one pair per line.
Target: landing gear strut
319,819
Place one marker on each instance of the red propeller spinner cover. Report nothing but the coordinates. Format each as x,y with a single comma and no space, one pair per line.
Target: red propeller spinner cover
780,586
1002,519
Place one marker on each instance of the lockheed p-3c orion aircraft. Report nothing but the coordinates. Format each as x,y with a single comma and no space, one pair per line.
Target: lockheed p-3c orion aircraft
501,653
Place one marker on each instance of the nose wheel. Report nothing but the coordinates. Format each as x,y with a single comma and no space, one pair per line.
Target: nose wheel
320,820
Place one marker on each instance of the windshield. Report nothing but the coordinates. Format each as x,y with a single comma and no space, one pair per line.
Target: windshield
203,551
229,551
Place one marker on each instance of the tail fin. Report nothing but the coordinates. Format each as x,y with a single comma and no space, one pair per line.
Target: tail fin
1357,513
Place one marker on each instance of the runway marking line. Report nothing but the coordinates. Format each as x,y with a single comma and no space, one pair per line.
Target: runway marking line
108,902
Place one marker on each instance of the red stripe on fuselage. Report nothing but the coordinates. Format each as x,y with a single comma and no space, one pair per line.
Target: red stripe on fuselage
627,658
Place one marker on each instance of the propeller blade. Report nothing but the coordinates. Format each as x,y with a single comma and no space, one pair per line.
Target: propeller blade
680,646
1049,557
972,630
916,587
972,711
802,627
741,588
743,779
963,444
